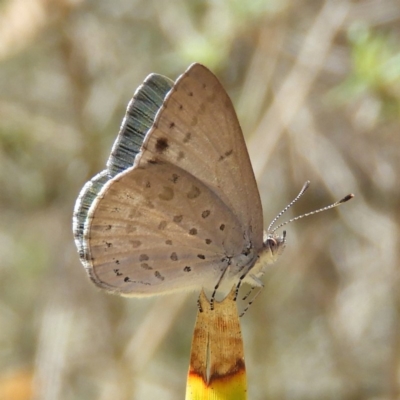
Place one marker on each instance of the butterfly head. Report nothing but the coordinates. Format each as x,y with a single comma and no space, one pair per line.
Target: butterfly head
273,245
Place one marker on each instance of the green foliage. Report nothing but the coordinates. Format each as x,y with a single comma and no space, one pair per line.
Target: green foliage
375,62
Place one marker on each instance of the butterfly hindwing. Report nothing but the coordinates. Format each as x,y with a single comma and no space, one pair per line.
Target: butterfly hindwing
157,229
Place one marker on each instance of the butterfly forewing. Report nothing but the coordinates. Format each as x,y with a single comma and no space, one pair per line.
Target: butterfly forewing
197,129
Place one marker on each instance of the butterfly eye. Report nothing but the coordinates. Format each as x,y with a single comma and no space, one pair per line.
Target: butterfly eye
272,243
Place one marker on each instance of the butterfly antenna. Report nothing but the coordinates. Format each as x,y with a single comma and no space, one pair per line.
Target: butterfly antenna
303,189
336,204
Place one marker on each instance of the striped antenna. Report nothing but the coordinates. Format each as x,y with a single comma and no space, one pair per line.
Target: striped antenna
303,189
336,204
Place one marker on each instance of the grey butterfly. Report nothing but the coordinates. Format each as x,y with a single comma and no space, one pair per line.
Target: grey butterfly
178,206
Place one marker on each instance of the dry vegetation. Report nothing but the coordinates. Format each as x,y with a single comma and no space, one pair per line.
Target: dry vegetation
316,85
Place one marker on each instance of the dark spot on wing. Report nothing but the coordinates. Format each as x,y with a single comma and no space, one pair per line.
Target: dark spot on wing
205,213
145,266
169,242
178,218
167,194
158,276
135,243
143,257
116,270
174,178
201,256
194,192
187,269
193,231
226,154
187,137
208,241
174,257
222,227
172,125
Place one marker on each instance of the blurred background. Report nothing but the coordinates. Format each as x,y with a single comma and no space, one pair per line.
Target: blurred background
316,85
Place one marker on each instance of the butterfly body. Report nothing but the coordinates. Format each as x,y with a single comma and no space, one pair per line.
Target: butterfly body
182,210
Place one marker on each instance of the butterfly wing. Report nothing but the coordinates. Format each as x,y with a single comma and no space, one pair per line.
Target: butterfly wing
138,119
187,209
197,129
158,229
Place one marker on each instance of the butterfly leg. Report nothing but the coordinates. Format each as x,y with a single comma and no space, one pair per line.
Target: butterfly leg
217,286
249,293
199,305
238,286
251,301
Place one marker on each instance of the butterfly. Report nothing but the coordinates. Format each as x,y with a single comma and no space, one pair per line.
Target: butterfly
177,207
